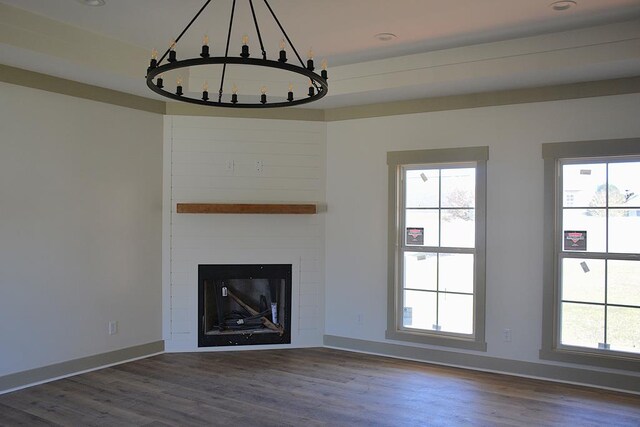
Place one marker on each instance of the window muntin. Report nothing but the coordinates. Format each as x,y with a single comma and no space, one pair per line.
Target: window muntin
599,255
437,293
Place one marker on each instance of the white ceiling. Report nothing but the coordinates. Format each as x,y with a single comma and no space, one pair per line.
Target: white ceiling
340,30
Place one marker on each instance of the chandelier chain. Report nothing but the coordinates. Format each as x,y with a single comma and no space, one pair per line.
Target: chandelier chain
226,51
255,20
175,42
284,32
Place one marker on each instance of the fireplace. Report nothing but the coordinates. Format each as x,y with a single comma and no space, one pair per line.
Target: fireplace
244,304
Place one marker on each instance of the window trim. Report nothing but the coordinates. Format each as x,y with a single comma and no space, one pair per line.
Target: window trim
551,349
395,161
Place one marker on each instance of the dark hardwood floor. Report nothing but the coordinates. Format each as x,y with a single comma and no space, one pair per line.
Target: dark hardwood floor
308,387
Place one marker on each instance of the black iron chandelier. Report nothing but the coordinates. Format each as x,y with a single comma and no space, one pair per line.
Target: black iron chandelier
317,86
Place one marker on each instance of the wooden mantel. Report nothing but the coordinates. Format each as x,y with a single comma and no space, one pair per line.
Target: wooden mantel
245,208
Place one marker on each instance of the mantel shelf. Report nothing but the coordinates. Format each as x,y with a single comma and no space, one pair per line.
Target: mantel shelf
246,208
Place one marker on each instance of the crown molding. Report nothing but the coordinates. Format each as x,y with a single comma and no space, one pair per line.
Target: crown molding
591,89
610,87
20,77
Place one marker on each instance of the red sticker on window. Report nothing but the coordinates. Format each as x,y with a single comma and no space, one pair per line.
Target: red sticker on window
415,236
575,240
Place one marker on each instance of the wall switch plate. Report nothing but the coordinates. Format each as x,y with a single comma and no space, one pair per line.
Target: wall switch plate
507,335
113,327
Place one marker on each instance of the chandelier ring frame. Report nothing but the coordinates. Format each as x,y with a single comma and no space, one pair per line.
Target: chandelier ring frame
319,83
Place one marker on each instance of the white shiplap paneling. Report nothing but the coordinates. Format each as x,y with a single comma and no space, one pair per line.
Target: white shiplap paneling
245,160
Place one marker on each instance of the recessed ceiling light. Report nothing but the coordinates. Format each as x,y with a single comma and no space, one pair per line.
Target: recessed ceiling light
562,5
385,37
91,2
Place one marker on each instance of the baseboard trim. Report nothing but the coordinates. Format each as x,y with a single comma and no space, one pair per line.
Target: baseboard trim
555,373
19,380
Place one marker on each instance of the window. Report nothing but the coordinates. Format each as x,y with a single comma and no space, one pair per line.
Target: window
592,253
436,246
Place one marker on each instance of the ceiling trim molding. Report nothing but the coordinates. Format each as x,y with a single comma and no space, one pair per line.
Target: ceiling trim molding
591,89
561,92
303,114
49,83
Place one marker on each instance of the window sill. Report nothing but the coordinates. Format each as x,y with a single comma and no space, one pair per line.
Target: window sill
439,340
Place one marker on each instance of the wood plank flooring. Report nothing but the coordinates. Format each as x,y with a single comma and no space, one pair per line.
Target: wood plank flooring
308,387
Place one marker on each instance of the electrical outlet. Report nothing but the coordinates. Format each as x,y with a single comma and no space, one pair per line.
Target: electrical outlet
507,335
259,166
113,327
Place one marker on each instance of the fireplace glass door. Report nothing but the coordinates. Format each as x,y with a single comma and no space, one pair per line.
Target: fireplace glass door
244,304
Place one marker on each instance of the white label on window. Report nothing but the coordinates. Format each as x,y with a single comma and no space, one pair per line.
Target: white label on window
584,266
407,316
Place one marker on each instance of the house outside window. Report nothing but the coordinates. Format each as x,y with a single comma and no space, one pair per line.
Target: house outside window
592,253
437,205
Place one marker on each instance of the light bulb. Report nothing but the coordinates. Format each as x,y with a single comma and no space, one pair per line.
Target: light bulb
312,90
310,54
154,54
283,53
205,91
323,73
205,47
263,97
245,40
290,94
234,89
172,52
179,86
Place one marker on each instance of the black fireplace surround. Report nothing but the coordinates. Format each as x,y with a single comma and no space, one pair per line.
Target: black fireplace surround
244,304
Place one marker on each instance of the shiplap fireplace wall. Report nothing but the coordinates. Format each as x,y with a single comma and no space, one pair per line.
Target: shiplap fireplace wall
227,160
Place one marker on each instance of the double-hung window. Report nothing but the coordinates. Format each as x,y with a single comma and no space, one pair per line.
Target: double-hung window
436,246
592,253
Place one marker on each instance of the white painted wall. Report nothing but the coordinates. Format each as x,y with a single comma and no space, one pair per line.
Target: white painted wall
80,209
80,227
214,160
356,222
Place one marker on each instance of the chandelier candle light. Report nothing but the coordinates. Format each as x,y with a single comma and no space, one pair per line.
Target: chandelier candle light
318,86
